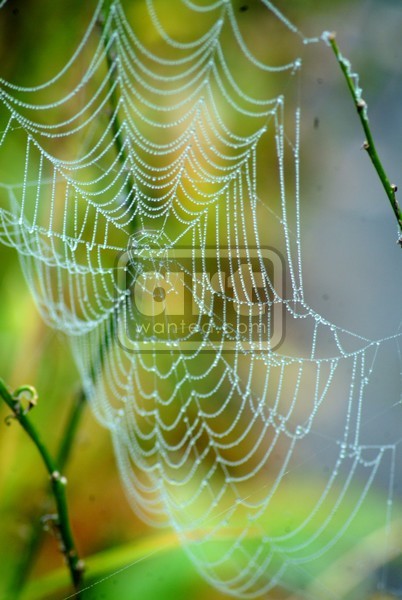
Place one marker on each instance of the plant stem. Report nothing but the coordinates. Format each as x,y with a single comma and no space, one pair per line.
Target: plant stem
70,431
369,145
37,531
58,485
62,457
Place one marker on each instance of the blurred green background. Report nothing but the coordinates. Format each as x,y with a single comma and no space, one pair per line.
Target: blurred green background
126,559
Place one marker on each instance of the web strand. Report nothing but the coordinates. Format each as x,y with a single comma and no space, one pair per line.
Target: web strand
209,424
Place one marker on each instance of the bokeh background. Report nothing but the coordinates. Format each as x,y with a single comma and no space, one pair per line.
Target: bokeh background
352,270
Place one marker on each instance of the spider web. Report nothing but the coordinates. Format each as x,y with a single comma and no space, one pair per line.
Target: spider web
141,179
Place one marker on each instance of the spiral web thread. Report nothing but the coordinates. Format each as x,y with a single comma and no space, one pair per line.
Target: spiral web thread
153,150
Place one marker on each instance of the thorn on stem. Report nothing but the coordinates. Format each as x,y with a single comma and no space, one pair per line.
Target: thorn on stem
366,145
394,188
56,476
80,566
361,105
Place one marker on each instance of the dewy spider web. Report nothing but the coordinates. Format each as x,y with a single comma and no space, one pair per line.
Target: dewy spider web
151,159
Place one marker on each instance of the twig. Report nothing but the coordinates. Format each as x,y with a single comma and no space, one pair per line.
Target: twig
62,457
37,531
368,145
70,431
58,482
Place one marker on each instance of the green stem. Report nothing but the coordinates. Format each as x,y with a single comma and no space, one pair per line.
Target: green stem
58,485
37,531
63,454
70,431
369,145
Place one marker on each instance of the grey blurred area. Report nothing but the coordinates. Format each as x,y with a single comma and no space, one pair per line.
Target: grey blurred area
352,264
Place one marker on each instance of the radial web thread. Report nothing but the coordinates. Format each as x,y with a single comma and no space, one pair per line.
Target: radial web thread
156,149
